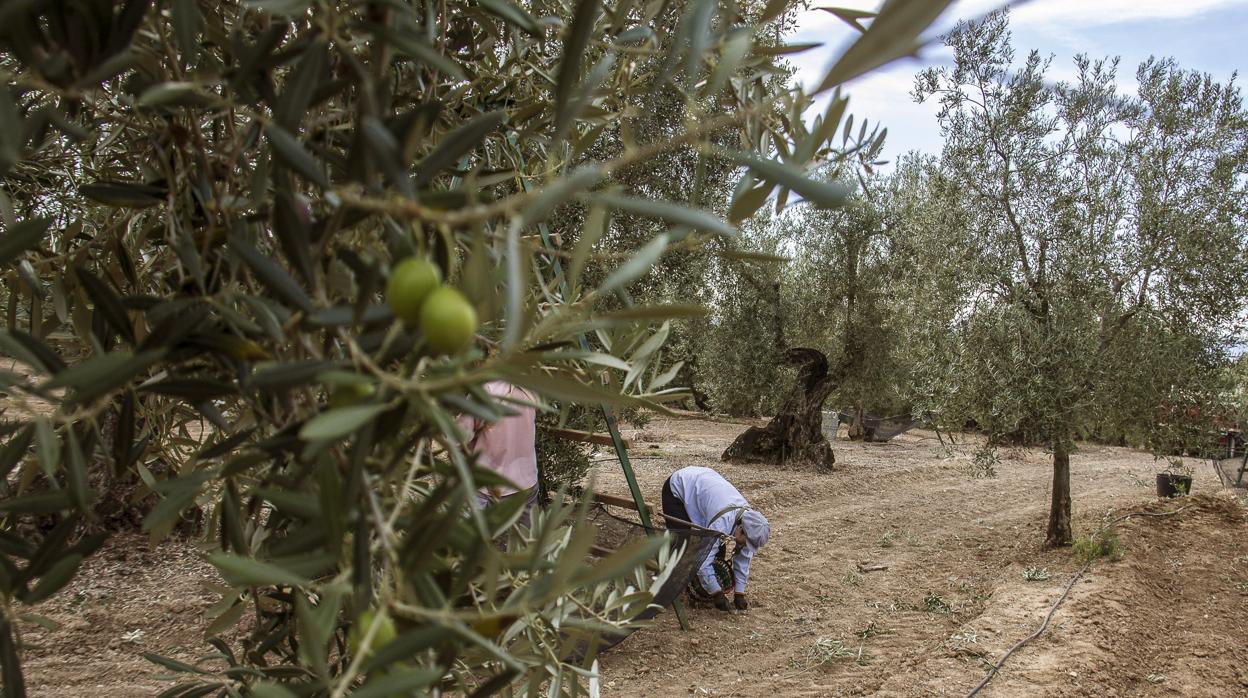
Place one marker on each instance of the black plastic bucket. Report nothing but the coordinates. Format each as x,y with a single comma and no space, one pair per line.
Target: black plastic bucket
1171,485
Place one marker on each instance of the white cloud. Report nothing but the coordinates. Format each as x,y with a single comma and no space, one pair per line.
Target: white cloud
1060,27
1090,13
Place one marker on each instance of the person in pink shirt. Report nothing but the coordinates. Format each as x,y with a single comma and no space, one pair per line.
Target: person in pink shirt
508,446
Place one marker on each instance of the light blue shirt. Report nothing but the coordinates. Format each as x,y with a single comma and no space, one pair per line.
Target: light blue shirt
705,493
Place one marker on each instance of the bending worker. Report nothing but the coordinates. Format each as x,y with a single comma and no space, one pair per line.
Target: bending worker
703,497
507,446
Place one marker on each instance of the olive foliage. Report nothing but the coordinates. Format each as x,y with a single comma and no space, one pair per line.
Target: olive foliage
202,202
1099,243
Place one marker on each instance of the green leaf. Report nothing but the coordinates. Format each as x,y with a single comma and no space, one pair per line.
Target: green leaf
309,73
668,211
124,194
296,504
54,579
747,256
514,15
11,144
290,151
591,357
406,646
561,388
696,28
635,35
279,377
413,44
15,449
561,191
178,493
315,625
825,129
574,44
848,16
22,237
224,446
388,154
173,664
656,312
293,231
228,619
456,144
173,94
10,663
637,266
584,94
666,377
246,572
232,526
107,302
596,224
187,23
639,357
337,423
893,34
109,68
47,448
749,201
820,193
620,564
772,10
786,49
286,8
79,488
736,48
102,373
272,275
42,621
31,351
41,503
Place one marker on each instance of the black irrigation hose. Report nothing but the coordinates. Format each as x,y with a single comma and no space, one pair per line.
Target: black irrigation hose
993,672
996,667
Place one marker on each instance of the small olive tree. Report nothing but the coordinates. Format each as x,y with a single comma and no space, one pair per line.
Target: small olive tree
1091,217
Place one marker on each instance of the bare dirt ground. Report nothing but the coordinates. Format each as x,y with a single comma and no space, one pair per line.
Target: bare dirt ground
1167,619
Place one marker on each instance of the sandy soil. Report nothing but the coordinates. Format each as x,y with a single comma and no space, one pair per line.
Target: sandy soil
128,599
1167,619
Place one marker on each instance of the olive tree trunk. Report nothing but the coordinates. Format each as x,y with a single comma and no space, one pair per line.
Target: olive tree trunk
795,434
1059,532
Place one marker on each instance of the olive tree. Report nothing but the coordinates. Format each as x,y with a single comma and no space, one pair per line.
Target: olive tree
206,210
1090,216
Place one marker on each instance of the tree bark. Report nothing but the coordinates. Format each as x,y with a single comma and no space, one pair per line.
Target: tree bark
795,434
1059,510
858,427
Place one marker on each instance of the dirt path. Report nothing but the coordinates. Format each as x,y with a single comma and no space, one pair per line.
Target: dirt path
1162,621
1166,620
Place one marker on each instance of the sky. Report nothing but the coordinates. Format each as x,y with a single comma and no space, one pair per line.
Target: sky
1204,35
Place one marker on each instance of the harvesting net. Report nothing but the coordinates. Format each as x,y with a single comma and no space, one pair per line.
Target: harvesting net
883,428
1232,472
615,531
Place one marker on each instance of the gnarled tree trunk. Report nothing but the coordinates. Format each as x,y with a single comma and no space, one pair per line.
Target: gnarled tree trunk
795,434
